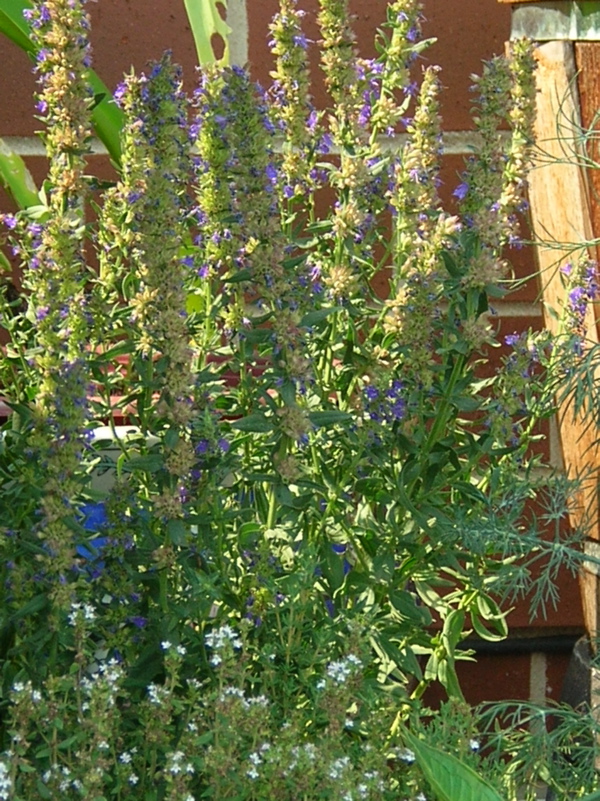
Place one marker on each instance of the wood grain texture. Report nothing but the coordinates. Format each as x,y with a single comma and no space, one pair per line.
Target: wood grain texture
561,222
587,60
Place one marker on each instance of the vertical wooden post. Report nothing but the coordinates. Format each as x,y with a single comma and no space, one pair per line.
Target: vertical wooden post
561,222
562,217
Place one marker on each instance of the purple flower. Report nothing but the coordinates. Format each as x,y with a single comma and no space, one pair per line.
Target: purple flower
325,144
271,173
202,447
10,221
300,40
138,621
461,191
120,93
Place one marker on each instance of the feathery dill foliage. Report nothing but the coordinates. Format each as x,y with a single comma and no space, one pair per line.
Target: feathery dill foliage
304,461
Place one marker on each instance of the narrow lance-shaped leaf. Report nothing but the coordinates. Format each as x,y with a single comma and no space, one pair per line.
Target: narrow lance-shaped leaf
16,178
107,117
450,779
206,22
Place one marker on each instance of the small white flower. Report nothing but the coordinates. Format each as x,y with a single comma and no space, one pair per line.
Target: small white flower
181,650
165,645
474,745
215,660
321,684
103,746
255,758
406,755
349,723
155,691
89,612
133,778
192,726
252,773
338,766
258,700
232,691
125,758
310,751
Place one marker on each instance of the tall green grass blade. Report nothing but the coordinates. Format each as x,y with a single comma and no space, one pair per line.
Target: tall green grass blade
4,263
13,24
206,22
107,117
449,778
16,178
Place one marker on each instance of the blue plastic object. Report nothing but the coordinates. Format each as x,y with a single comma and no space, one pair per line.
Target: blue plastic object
94,519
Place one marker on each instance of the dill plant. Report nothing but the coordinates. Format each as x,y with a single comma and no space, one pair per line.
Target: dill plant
310,471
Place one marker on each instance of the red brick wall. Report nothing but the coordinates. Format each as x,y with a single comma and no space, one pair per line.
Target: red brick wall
128,33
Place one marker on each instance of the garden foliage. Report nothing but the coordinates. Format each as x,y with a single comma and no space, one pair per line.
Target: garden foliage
311,493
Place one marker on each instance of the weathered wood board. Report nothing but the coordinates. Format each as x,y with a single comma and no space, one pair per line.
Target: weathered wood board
562,223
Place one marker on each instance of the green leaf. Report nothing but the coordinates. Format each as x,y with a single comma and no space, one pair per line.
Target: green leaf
593,797
452,631
257,423
13,24
177,532
450,779
149,464
206,22
238,276
43,791
405,604
329,418
485,633
36,604
315,317
16,178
